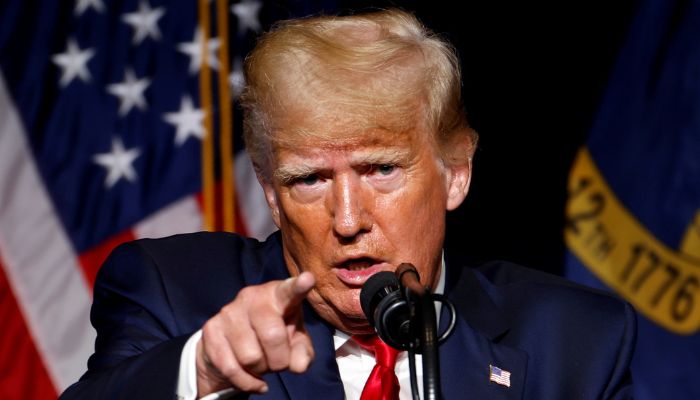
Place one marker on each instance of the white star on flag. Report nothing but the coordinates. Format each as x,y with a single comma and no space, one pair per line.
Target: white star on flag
130,92
194,50
82,5
73,62
118,163
247,12
144,22
188,121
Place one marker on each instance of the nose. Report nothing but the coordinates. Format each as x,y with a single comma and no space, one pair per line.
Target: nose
348,207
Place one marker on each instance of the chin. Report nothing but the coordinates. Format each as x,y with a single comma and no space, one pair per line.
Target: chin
354,320
355,326
348,318
352,308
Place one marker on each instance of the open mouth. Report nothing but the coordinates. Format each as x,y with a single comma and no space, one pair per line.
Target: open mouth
359,264
356,271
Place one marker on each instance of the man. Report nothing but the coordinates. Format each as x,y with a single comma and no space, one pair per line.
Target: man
357,132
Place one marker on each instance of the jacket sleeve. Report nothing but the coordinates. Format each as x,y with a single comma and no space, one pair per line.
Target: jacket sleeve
620,385
138,345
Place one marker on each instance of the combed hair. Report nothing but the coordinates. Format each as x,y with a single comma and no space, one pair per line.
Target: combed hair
380,70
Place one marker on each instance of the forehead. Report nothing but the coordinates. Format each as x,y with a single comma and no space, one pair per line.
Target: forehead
335,130
327,124
378,141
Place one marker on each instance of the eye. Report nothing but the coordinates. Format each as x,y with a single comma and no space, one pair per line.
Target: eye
308,180
385,169
386,177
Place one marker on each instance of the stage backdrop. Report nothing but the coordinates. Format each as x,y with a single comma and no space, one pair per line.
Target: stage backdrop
116,123
633,217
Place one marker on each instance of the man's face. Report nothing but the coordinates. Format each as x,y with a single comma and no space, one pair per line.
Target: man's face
350,209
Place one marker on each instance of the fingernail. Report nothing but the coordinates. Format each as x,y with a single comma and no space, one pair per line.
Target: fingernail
264,389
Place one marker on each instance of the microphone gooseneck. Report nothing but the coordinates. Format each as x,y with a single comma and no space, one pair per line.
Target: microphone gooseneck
402,312
408,278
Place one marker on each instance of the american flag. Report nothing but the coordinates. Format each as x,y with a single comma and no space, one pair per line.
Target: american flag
115,124
499,376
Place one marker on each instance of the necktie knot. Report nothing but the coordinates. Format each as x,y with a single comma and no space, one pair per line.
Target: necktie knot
382,382
384,354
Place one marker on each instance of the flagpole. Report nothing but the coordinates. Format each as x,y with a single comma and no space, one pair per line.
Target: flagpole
205,91
226,122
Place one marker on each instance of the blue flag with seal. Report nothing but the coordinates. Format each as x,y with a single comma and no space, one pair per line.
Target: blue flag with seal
633,214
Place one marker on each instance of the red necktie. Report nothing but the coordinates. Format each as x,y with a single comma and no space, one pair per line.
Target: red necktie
382,383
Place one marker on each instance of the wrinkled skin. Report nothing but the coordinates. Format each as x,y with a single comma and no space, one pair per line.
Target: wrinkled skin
364,205
346,209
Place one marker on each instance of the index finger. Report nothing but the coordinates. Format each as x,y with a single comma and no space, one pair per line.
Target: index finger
292,291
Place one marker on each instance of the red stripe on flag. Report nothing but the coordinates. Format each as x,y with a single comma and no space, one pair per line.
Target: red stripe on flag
92,260
22,372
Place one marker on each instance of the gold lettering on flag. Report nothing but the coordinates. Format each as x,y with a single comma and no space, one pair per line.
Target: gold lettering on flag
661,283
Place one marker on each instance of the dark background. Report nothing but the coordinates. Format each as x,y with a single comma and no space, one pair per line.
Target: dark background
534,74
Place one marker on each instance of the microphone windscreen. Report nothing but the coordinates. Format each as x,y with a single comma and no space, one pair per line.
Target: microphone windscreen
378,284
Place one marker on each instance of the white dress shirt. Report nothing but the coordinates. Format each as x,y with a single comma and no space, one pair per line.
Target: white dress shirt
354,364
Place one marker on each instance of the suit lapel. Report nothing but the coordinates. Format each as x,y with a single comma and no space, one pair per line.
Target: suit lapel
322,380
466,356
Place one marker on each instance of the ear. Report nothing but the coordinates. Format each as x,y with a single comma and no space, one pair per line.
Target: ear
270,197
458,178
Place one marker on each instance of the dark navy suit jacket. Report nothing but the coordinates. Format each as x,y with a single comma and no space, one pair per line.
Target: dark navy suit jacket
558,340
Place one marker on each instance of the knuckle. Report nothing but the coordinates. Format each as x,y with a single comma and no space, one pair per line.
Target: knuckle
249,357
249,293
229,310
210,326
275,335
210,341
212,360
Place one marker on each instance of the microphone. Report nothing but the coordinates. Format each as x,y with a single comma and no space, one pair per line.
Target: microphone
402,312
386,309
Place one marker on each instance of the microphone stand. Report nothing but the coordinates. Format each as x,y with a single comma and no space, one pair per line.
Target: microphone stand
423,333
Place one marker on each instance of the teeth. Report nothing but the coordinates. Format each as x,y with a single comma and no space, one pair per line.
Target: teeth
358,265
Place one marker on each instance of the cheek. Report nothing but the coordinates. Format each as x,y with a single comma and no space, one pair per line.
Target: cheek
304,220
414,222
413,211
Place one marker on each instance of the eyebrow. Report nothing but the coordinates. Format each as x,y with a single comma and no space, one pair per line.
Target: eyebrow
288,173
394,155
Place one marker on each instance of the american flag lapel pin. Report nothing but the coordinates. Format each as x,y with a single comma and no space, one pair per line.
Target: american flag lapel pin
499,376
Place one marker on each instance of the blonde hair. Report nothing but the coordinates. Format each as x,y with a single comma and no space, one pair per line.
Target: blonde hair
376,70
